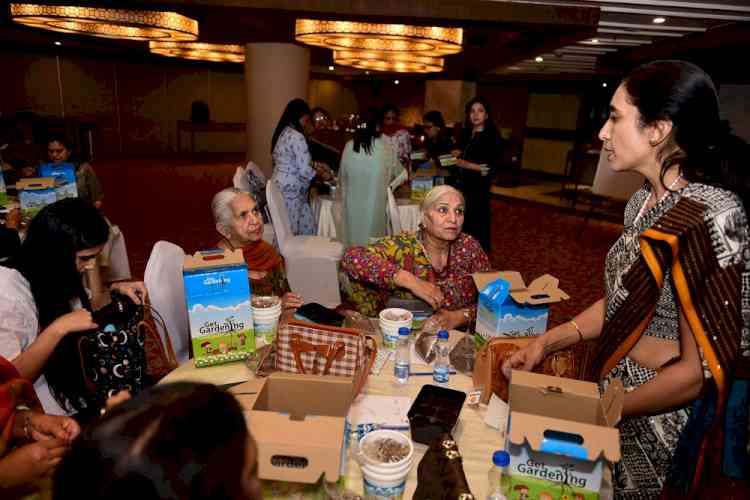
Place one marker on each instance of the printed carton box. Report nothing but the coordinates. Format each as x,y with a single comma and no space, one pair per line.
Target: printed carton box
65,178
217,292
35,194
512,309
561,434
420,185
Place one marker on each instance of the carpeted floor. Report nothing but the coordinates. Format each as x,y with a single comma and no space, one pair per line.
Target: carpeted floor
168,198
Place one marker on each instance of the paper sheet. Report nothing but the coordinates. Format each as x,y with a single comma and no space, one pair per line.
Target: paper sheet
372,409
497,414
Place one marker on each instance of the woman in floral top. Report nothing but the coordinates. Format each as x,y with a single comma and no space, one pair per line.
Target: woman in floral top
434,264
396,135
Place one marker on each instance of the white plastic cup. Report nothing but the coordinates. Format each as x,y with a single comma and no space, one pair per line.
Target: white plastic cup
266,323
385,480
389,328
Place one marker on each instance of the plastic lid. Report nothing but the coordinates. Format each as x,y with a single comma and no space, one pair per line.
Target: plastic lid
501,458
404,330
443,334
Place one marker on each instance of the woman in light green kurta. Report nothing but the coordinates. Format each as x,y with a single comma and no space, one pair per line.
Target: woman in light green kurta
369,168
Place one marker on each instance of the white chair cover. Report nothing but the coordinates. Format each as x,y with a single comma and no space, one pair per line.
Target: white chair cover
166,291
394,216
239,180
311,261
113,258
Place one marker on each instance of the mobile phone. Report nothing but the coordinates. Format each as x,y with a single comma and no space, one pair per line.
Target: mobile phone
320,314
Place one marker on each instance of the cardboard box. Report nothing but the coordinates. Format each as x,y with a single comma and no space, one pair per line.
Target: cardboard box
516,310
299,423
217,292
65,178
34,194
560,434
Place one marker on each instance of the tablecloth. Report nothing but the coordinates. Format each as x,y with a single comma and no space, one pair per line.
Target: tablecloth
323,213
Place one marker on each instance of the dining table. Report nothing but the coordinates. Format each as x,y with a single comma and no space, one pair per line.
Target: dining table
476,439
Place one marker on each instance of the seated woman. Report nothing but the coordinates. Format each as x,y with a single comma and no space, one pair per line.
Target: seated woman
43,301
174,441
240,224
31,443
89,188
434,264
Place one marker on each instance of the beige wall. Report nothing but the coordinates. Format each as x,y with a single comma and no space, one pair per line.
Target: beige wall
135,104
333,96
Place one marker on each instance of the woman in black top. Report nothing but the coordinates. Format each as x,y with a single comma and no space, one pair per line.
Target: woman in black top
479,154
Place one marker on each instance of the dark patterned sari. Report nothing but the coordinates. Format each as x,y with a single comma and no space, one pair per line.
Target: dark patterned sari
689,253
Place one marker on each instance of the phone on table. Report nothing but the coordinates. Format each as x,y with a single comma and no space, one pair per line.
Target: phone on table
320,314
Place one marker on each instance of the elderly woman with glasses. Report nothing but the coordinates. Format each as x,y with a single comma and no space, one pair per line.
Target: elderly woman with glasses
434,264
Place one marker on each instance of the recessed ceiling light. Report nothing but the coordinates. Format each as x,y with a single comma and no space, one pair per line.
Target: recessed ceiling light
594,40
58,43
514,67
330,68
604,85
659,20
395,81
539,59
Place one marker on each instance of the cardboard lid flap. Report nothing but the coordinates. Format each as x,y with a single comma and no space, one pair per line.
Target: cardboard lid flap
612,401
513,278
214,257
543,290
584,441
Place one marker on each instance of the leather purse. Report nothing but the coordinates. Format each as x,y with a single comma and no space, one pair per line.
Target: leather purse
440,475
310,348
488,365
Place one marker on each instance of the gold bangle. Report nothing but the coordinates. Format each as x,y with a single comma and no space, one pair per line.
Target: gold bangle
578,329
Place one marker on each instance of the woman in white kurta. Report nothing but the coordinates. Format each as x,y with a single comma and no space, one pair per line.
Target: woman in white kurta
369,168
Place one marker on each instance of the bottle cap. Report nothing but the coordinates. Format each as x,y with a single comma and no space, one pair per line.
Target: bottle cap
501,458
404,330
443,334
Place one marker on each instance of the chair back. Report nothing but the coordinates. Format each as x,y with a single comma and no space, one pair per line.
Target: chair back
166,291
279,215
239,180
255,169
393,215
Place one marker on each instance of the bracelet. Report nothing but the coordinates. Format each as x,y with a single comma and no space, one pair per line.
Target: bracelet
467,315
27,426
578,329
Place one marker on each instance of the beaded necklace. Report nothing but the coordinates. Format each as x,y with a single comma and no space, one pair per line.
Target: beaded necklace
642,211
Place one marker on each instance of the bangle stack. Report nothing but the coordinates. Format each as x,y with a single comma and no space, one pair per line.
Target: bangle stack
578,329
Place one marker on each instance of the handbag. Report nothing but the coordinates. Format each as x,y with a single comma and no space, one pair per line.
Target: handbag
440,475
125,353
310,348
488,365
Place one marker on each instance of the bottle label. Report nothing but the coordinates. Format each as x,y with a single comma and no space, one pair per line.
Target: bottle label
401,370
440,375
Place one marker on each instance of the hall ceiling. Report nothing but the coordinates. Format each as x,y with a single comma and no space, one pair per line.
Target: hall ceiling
707,32
502,38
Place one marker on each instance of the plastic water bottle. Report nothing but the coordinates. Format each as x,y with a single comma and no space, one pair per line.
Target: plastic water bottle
499,479
401,367
442,365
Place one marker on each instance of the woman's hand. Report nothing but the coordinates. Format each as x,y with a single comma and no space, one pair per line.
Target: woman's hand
456,153
13,221
45,427
425,290
76,321
444,320
525,359
291,301
31,462
136,290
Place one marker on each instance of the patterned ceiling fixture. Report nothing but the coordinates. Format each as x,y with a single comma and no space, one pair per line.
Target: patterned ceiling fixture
429,41
200,51
107,23
398,62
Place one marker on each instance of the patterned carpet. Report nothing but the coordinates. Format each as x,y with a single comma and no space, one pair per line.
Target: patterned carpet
168,198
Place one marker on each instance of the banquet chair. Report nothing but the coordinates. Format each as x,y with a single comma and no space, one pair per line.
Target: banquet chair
166,292
394,216
311,261
239,181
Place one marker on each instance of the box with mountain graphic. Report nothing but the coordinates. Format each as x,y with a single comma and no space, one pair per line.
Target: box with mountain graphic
217,292
508,308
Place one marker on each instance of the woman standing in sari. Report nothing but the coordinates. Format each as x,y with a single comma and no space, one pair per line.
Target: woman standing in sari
673,326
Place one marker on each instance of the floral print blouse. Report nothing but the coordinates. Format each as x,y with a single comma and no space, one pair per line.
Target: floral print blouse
401,144
372,269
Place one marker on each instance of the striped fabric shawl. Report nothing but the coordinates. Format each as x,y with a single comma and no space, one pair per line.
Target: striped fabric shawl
708,295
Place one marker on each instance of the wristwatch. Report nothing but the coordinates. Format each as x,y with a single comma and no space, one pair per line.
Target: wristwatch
467,315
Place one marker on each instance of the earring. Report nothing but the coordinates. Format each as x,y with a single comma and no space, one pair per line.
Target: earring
652,143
